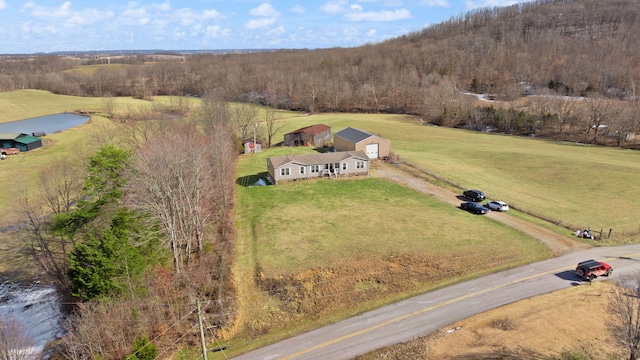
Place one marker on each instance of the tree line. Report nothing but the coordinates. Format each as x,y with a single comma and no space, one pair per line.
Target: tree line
136,233
581,48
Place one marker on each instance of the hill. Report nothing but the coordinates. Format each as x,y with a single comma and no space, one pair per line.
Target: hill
582,48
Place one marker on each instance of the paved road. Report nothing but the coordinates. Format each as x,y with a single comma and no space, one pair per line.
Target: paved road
426,313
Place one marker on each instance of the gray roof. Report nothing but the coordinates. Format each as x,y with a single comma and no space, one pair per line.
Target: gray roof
9,136
353,135
317,159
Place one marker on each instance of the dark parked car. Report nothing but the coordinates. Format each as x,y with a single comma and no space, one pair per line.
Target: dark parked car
474,195
474,208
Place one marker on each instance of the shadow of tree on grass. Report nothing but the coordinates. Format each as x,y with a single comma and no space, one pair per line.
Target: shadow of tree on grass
259,179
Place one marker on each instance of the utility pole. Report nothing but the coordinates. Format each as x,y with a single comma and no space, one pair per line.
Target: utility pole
204,345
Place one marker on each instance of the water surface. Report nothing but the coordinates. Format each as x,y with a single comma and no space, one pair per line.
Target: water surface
47,124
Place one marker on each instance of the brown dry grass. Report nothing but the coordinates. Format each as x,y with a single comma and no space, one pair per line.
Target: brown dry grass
570,321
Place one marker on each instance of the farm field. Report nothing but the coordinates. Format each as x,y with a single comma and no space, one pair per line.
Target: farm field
578,186
24,104
322,250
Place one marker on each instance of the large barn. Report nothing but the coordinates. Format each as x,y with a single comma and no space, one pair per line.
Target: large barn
351,139
316,135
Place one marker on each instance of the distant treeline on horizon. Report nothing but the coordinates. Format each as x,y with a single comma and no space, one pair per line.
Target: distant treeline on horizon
141,52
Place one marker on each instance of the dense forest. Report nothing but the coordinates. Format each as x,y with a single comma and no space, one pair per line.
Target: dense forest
585,53
548,47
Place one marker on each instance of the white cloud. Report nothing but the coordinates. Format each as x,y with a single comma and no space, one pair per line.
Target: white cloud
371,33
135,13
216,32
334,7
277,31
89,16
384,15
296,9
264,10
3,4
437,3
211,14
165,6
39,30
356,7
63,10
260,23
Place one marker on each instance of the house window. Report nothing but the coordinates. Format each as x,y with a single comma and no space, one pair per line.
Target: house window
284,172
315,168
344,166
359,164
301,169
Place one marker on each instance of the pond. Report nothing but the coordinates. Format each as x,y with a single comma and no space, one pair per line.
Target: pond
47,124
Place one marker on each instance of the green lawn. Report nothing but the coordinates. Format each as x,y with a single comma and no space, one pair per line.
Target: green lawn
301,225
582,186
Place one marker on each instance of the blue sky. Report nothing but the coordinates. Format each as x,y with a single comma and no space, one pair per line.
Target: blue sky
30,26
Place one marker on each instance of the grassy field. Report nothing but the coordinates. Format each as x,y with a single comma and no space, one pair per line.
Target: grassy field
356,243
579,186
543,327
364,239
20,172
311,224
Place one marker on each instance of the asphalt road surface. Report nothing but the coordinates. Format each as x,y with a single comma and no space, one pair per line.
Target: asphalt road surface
423,314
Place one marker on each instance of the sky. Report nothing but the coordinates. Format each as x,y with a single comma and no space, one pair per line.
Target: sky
33,26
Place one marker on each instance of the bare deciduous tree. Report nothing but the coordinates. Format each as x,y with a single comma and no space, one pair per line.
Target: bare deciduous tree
271,123
15,342
244,117
624,310
109,105
49,251
222,151
61,185
598,112
172,181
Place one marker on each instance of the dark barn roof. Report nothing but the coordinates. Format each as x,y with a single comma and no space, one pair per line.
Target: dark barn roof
311,129
353,135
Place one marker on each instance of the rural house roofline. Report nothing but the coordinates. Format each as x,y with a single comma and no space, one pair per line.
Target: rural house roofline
317,159
353,135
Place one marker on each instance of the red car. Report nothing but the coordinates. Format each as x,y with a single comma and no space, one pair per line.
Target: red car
591,269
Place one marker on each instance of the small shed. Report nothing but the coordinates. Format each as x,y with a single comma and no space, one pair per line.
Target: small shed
24,142
351,139
316,135
306,166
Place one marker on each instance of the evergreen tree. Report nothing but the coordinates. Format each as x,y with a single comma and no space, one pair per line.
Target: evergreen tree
102,187
112,263
143,349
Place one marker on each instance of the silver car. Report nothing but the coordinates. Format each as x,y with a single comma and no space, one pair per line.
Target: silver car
498,206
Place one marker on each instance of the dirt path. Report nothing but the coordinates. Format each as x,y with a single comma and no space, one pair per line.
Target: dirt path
557,243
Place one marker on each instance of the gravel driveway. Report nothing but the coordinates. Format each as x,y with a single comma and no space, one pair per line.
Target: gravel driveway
401,175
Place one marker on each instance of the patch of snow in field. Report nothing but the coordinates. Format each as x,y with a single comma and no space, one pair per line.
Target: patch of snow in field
36,309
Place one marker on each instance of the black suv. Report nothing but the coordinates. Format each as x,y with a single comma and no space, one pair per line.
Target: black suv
474,195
